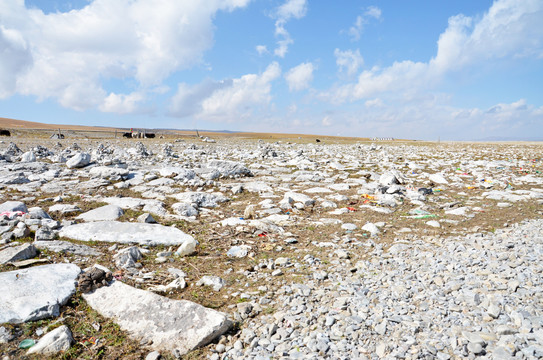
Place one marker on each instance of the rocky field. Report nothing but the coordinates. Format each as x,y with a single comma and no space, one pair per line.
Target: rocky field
269,249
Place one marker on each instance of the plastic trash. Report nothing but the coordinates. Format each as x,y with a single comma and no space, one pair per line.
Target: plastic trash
26,344
12,214
429,216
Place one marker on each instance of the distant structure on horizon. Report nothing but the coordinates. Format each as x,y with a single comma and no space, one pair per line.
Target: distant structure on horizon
382,139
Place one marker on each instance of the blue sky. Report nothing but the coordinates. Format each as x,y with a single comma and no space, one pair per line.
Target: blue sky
455,70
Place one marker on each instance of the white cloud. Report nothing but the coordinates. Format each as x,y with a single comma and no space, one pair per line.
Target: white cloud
348,61
374,103
290,9
300,77
374,12
510,120
284,42
356,30
68,55
15,58
261,49
121,103
228,100
509,29
433,117
188,99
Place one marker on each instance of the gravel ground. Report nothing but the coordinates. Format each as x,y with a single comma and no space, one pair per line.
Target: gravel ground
472,296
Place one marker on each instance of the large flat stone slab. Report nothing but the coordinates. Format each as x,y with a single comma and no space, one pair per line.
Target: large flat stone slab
148,205
36,293
103,213
67,247
148,317
125,232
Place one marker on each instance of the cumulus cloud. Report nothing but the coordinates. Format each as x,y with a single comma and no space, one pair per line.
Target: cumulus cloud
15,58
228,100
355,31
348,61
68,55
188,99
510,29
122,103
261,49
326,121
299,77
290,9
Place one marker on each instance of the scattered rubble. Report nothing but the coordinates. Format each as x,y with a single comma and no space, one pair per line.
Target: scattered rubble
329,250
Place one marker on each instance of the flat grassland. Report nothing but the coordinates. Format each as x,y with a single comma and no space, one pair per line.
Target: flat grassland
41,130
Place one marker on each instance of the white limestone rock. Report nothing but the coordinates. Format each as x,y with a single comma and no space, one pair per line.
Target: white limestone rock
79,160
229,169
155,207
291,197
11,206
16,253
103,213
125,233
371,228
214,281
67,247
183,327
64,208
201,199
184,209
28,156
106,172
187,248
36,293
55,341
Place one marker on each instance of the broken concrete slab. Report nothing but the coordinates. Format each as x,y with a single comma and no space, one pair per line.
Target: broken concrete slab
125,232
36,293
166,324
103,213
15,253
